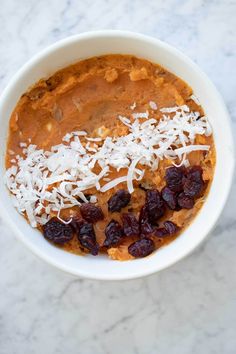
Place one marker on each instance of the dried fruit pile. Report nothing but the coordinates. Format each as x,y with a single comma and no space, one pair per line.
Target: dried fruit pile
182,188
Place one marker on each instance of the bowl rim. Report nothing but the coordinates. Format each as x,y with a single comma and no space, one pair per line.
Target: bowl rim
203,77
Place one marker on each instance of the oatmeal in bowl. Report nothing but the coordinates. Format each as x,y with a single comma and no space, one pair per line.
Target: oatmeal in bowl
113,154
112,159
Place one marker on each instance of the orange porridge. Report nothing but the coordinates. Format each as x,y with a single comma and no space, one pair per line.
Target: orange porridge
110,155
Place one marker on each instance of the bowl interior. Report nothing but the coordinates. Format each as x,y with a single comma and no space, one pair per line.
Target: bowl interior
91,44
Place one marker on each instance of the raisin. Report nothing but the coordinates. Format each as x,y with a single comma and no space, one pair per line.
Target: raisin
75,222
144,225
130,224
161,232
169,197
192,188
143,216
146,230
57,232
141,248
184,201
86,236
155,206
171,227
119,200
91,212
114,234
195,172
173,177
193,183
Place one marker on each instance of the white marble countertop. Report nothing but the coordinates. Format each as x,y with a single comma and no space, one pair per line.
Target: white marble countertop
189,308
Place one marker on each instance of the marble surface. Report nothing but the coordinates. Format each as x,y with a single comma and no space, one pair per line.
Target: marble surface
189,308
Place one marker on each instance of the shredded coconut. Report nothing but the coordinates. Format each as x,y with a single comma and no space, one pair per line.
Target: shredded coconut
153,105
140,115
133,106
124,120
43,182
93,199
195,99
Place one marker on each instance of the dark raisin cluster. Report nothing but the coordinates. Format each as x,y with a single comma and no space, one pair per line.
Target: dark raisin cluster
182,188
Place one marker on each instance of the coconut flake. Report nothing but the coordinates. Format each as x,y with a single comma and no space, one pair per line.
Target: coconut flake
113,183
190,148
153,105
11,152
62,220
93,139
174,109
124,120
22,145
130,174
140,115
67,137
195,99
93,199
133,106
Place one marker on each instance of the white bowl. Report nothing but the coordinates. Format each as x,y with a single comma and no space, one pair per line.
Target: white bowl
90,44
